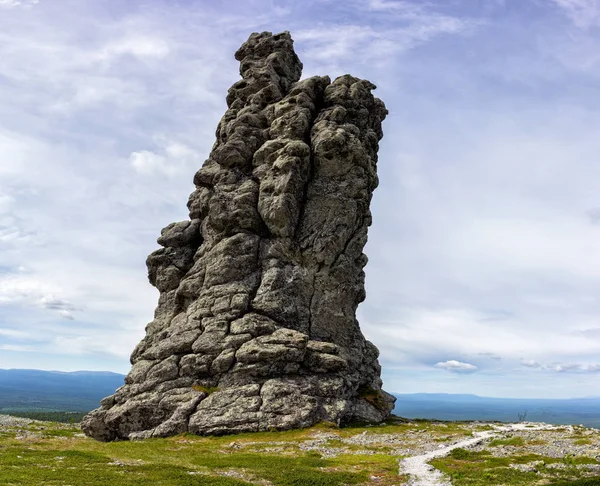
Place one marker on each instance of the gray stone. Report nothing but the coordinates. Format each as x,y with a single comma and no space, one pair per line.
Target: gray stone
256,324
325,363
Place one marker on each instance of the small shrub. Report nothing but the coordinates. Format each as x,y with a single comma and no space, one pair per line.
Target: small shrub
465,454
374,397
578,482
537,442
325,424
513,441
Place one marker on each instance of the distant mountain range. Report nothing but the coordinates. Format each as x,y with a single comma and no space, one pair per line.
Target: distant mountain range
442,406
81,391
37,390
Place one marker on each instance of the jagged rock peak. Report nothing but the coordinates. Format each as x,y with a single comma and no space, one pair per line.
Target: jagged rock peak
256,324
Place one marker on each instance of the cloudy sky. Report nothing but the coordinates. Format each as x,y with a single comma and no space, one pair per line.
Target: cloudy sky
484,271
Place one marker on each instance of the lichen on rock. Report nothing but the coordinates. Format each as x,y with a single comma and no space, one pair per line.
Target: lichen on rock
259,289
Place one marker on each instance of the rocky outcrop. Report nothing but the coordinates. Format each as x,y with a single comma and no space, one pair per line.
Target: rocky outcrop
255,327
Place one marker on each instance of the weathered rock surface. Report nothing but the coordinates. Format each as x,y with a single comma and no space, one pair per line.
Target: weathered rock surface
255,327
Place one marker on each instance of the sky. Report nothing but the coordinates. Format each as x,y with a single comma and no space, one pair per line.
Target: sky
484,253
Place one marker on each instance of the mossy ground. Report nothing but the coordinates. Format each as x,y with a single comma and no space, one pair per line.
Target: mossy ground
468,468
59,455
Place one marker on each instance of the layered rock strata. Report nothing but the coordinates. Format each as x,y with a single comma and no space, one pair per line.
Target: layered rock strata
255,327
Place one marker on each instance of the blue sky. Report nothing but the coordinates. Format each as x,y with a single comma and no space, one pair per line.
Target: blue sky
484,255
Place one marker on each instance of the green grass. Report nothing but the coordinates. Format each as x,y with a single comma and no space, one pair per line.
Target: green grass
63,432
537,442
513,441
583,441
578,482
159,462
395,426
474,468
469,468
56,454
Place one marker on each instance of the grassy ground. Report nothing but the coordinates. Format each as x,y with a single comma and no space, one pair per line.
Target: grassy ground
59,455
467,468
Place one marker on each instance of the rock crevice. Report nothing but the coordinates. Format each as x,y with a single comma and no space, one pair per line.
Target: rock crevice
255,327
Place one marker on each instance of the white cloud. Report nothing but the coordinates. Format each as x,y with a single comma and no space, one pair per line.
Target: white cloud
138,46
94,344
30,290
177,158
375,48
6,202
332,47
530,363
394,5
16,347
583,13
490,356
179,151
146,162
14,288
50,302
456,366
562,367
18,3
415,336
13,333
10,234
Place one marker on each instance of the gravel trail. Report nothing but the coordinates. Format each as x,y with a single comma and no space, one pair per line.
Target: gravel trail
423,474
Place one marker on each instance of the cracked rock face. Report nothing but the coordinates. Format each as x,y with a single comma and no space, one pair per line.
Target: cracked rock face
255,327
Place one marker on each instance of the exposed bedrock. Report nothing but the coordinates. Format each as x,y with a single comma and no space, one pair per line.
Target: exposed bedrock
256,325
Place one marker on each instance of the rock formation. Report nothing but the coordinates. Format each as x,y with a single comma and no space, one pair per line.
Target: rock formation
255,327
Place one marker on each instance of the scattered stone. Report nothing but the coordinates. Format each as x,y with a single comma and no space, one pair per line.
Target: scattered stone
529,467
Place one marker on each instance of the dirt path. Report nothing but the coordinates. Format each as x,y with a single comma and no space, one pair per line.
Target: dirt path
423,474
